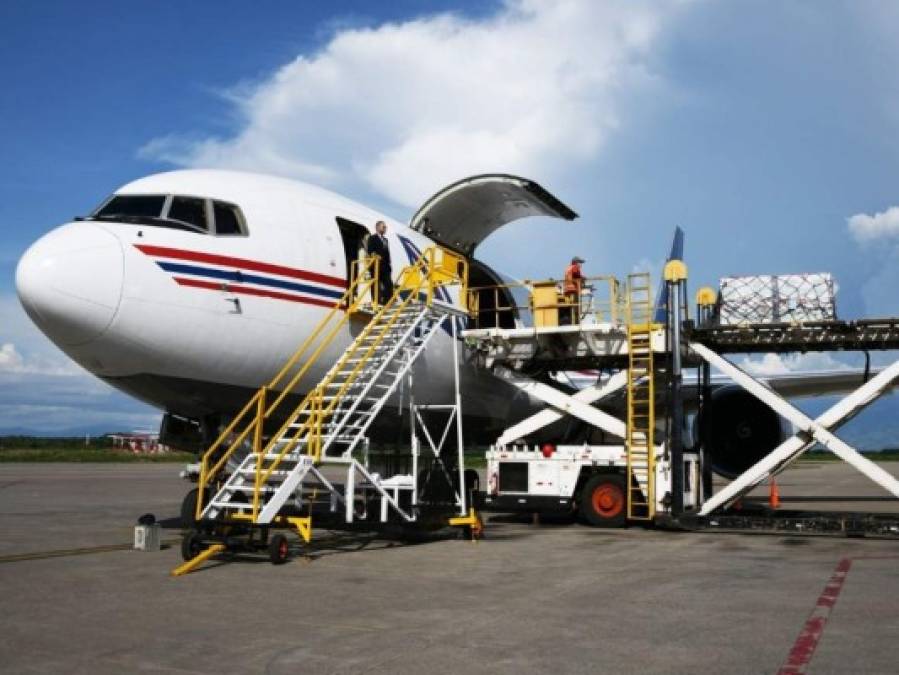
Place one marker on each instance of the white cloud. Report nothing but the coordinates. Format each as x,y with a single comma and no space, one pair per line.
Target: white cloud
879,234
775,364
43,389
882,225
405,108
10,359
24,349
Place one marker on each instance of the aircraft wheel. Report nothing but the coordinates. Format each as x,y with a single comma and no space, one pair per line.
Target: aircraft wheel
191,545
278,549
603,501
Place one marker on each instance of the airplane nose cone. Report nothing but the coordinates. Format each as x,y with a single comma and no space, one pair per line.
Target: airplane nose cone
70,282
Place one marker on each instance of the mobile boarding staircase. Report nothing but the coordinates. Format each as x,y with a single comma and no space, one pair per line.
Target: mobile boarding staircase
329,426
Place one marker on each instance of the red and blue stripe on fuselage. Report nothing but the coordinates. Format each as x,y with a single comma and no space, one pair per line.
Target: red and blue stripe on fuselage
241,276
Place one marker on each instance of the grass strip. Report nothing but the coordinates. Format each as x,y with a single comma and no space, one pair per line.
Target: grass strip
100,455
883,456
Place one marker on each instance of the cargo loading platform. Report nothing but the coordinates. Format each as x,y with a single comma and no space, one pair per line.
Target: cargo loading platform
672,484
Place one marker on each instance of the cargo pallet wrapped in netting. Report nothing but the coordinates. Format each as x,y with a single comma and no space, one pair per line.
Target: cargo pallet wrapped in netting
786,298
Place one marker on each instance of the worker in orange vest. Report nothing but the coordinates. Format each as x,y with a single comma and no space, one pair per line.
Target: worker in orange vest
574,281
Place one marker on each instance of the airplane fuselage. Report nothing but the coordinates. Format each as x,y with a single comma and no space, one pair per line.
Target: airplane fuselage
192,320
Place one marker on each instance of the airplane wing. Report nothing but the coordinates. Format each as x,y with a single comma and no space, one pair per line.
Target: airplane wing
819,383
462,215
788,385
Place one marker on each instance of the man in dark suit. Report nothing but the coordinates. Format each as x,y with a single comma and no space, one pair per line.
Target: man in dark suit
378,245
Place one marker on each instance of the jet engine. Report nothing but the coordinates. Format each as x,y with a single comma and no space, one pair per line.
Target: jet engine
738,430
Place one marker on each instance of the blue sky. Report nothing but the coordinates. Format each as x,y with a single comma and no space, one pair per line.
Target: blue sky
761,128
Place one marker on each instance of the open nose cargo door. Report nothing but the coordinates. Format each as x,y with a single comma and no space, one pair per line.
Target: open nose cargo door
462,215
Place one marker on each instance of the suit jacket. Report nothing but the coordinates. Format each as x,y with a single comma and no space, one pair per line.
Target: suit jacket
378,246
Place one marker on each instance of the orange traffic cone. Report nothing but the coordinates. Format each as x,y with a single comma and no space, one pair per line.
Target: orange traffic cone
773,495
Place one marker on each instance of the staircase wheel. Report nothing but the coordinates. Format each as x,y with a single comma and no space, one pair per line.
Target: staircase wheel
278,549
476,531
191,545
603,501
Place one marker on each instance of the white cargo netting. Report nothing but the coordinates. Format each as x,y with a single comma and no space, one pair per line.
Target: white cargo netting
787,298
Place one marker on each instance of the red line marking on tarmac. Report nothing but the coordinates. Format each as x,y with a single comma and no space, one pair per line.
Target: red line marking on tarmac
805,645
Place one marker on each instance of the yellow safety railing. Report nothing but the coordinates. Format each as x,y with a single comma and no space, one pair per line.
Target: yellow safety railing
435,267
361,292
547,302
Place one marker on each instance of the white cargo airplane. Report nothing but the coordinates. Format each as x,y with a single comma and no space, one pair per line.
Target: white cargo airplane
189,290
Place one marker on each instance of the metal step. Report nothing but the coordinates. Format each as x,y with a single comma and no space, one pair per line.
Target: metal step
388,337
265,489
230,505
276,474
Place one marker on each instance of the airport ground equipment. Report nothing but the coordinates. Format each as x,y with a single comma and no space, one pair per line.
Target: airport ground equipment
619,472
277,481
613,465
864,335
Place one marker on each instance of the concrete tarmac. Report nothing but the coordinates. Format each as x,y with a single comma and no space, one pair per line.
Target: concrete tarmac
557,597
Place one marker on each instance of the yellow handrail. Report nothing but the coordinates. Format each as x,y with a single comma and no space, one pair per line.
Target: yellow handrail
364,279
318,393
606,302
352,292
426,272
435,267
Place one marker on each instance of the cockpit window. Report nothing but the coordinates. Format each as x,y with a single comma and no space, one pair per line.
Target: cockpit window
132,205
178,212
227,218
190,210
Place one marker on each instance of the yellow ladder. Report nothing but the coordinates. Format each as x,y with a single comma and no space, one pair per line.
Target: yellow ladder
639,443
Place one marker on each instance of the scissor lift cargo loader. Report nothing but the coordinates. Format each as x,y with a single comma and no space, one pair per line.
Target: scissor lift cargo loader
628,479
669,484
863,335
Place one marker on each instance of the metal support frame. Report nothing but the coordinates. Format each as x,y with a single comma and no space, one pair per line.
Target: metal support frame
460,447
810,431
576,405
438,447
549,416
676,293
705,458
417,423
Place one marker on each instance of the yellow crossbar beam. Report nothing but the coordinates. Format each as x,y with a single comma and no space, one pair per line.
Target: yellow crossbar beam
197,560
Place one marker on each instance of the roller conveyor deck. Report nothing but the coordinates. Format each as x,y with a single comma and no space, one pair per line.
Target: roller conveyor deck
857,335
